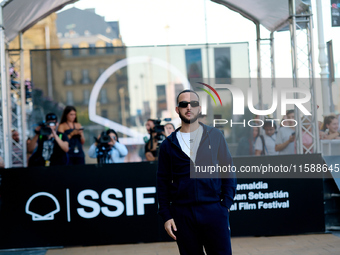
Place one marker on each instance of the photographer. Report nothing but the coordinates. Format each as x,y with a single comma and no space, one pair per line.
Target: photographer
107,148
157,136
52,145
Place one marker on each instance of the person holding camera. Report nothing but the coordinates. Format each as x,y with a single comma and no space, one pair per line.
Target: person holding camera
151,145
107,148
52,146
157,134
74,131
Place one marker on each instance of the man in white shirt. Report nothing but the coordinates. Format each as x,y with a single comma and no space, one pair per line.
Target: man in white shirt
265,144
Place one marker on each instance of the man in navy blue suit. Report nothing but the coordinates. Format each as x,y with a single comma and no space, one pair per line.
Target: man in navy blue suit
195,210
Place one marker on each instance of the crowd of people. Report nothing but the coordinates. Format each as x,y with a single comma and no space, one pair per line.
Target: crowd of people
281,140
62,143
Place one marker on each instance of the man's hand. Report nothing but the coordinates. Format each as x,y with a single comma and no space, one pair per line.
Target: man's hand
169,225
54,134
291,138
112,142
37,130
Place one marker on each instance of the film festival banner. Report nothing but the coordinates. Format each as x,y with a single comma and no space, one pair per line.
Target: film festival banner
117,204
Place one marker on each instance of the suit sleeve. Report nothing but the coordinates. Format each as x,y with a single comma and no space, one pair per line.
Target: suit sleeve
228,181
164,182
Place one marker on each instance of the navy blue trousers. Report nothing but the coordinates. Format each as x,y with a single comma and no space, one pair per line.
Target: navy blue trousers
202,225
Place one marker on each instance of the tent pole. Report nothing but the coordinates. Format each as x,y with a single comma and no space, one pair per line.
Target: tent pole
6,124
23,102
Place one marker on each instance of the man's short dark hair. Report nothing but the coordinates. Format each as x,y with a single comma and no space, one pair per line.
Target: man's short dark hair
109,131
152,120
289,111
186,91
268,123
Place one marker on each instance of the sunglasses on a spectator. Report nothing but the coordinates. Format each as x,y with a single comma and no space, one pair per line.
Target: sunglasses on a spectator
184,104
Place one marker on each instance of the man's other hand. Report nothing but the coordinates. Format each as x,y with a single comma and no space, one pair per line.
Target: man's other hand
169,225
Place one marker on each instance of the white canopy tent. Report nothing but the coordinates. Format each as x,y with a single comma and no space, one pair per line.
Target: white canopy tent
272,14
16,16
20,15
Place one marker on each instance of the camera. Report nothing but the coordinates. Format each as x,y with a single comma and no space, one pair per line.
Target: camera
45,129
104,138
159,130
103,147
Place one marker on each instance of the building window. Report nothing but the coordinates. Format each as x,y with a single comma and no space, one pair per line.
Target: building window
75,50
100,49
103,96
92,49
100,71
67,52
104,114
84,51
161,100
109,48
86,96
68,78
85,77
69,97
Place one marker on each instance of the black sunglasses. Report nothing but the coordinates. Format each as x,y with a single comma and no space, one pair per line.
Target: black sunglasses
184,104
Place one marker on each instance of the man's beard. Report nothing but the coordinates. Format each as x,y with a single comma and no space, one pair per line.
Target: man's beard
185,120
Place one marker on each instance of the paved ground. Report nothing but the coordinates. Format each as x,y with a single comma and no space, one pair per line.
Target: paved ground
297,245
317,244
